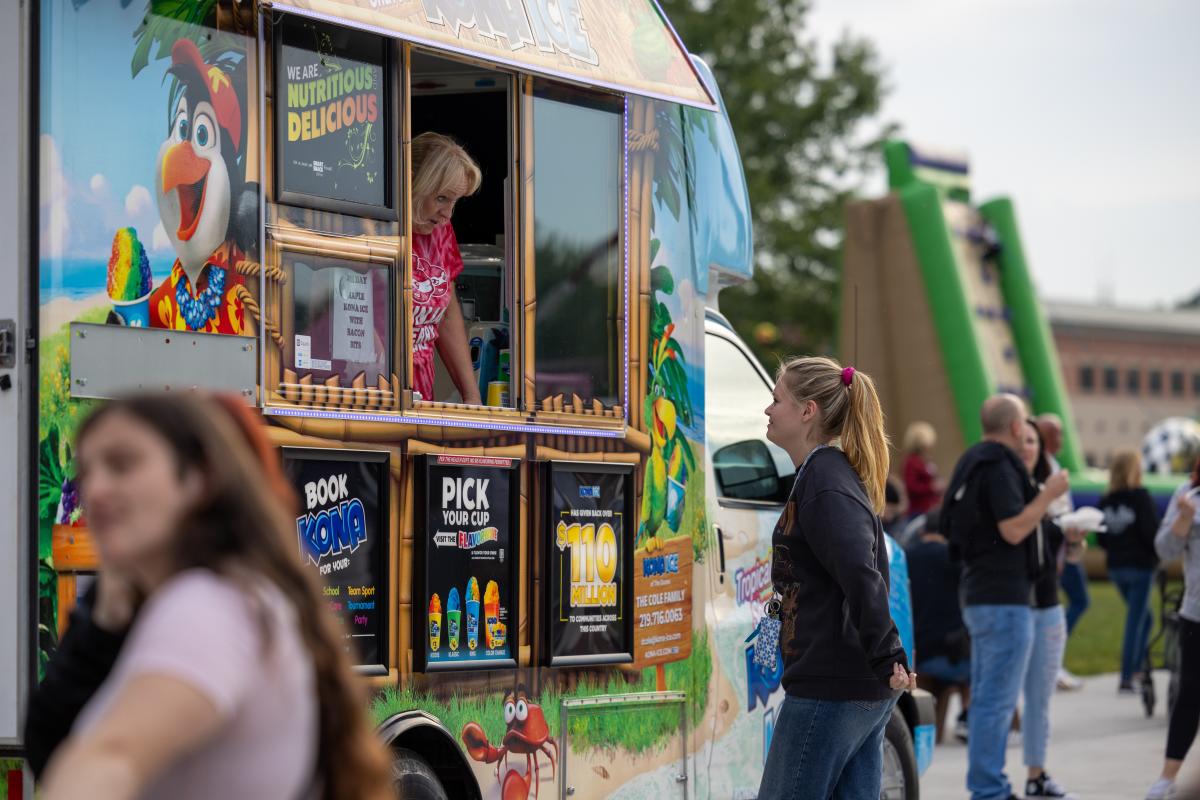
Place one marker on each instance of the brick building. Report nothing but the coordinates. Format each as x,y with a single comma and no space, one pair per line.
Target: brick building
1125,371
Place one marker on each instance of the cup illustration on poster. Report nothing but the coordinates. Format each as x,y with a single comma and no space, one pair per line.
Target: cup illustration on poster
467,561
589,554
333,89
341,533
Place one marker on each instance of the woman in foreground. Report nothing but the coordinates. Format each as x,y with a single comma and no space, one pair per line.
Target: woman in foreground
233,681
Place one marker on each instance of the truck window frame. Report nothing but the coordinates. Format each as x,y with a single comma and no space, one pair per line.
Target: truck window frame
525,412
732,502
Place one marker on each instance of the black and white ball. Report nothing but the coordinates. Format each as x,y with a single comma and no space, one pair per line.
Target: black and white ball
1171,446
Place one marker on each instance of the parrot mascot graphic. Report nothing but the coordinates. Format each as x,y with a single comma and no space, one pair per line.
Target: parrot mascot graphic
208,210
671,457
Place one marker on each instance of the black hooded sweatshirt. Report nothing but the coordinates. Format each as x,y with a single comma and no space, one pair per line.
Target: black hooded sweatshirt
830,566
1132,523
989,485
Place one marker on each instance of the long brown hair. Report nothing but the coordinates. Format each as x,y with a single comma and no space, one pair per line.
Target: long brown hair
239,523
850,411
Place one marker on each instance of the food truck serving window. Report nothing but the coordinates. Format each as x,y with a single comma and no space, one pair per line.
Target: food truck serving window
577,190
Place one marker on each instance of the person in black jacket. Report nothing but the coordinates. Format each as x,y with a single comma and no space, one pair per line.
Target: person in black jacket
843,662
943,650
84,658
1130,522
990,512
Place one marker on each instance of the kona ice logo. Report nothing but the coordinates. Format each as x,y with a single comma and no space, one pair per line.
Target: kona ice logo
548,25
340,526
666,564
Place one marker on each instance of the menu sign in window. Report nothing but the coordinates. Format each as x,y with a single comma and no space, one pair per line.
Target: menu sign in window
589,524
333,112
341,533
467,615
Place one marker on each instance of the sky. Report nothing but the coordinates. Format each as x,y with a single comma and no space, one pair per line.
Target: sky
1086,113
100,132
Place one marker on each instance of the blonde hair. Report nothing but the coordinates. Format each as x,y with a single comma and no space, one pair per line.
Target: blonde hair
919,438
1126,470
437,162
849,413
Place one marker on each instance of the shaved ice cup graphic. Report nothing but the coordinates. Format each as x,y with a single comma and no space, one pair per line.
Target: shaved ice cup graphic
134,313
129,279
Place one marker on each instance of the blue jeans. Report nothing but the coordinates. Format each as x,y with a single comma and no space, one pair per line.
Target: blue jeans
826,749
1074,583
1134,584
1041,679
1001,639
941,668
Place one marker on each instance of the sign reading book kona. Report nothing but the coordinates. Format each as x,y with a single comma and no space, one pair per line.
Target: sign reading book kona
341,533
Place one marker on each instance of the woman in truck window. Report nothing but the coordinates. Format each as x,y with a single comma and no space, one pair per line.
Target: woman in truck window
443,174
830,574
233,681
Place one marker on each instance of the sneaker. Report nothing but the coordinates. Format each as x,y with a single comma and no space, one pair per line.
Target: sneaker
1126,688
960,729
1161,789
1045,786
1068,682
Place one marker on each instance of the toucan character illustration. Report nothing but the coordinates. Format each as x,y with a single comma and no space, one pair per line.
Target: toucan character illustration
207,209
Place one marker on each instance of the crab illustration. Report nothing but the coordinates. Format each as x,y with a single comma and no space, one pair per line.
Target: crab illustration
527,734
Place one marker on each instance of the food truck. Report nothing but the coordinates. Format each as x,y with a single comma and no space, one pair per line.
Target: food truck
550,589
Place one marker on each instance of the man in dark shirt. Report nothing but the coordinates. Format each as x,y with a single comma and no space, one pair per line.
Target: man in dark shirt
991,508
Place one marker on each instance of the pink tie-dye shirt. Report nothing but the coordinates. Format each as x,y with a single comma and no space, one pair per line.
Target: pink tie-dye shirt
436,264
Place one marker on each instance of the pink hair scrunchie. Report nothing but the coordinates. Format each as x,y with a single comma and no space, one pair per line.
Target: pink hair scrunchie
847,376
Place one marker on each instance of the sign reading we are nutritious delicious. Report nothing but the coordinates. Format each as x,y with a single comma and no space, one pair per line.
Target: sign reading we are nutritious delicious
588,564
341,533
467,563
332,118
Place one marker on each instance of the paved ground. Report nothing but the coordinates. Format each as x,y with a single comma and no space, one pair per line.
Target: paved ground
1102,747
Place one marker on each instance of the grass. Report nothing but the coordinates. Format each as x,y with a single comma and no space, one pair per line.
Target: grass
1095,644
643,731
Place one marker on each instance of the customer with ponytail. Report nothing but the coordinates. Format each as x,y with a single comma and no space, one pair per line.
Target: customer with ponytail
844,666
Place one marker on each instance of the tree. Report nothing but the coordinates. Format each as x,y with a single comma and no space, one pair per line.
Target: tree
803,116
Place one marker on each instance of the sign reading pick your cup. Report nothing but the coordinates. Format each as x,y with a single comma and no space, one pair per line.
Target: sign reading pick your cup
341,533
467,615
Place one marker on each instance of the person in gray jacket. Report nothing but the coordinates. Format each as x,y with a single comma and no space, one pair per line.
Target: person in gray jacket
1179,535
